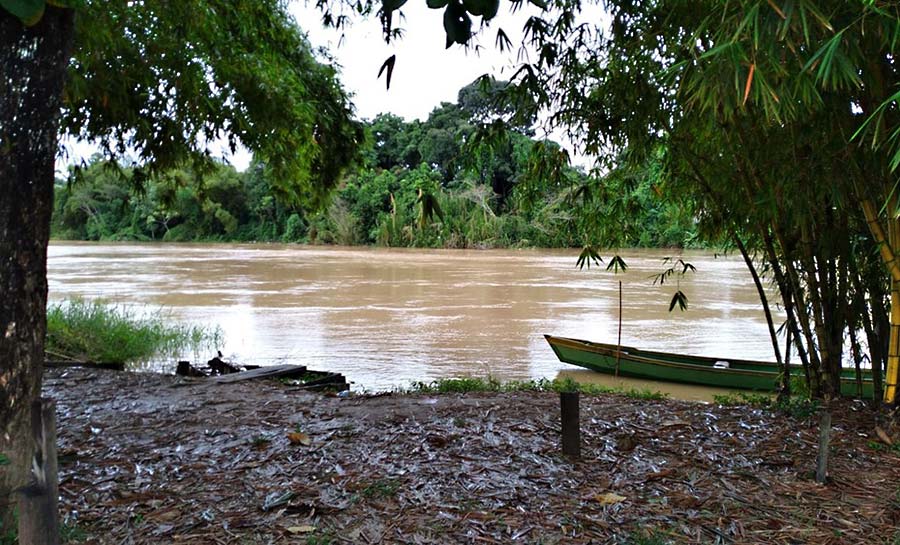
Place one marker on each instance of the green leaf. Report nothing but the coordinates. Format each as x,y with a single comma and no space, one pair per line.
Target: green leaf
679,299
484,8
457,24
389,66
588,254
436,4
490,10
503,42
28,11
617,263
4,460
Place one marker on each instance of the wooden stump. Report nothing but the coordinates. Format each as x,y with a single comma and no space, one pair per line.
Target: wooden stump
38,504
824,442
570,420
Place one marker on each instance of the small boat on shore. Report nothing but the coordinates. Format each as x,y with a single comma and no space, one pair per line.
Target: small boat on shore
705,371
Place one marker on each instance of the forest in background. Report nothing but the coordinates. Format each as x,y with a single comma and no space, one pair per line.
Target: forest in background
464,178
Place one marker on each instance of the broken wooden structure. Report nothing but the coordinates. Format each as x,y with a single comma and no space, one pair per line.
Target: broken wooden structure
301,377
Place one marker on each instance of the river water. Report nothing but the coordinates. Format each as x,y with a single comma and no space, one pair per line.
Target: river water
387,317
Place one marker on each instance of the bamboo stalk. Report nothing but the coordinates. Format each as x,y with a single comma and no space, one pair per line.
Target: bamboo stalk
893,363
884,246
814,294
761,292
619,347
793,278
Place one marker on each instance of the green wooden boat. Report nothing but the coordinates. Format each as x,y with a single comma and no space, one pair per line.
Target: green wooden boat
664,366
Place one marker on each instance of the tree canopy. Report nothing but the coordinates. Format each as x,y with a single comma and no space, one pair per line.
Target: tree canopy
159,79
141,79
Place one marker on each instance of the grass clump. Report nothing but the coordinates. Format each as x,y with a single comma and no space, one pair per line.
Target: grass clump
95,331
796,406
491,384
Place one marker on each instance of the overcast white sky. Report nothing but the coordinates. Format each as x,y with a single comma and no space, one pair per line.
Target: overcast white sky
425,73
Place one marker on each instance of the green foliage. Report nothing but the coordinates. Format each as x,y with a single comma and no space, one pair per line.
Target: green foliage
10,536
464,178
71,532
797,406
95,331
651,537
143,81
491,384
28,11
881,447
381,489
457,385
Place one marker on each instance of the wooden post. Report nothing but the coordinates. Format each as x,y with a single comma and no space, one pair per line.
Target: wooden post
38,504
824,440
571,428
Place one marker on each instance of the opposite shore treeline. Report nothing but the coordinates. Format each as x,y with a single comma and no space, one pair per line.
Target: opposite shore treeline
447,182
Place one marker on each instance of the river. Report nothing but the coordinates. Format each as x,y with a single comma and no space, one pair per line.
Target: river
387,317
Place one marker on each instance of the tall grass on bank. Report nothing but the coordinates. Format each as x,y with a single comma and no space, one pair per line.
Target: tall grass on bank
491,384
96,331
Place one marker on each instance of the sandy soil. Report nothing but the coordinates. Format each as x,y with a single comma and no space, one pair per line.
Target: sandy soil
147,458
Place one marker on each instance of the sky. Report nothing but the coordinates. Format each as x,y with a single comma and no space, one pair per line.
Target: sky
425,73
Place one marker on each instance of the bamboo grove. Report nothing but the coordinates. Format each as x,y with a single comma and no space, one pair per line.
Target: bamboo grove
777,121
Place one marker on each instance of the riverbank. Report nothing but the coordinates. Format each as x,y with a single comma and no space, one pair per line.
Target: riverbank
148,458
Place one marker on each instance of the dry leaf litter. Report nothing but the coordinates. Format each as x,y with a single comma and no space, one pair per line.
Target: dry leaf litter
147,458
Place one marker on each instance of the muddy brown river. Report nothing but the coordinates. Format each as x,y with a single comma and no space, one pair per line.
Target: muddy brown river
387,317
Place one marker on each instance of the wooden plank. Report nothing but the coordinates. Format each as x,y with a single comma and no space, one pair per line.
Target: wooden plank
274,371
329,381
38,505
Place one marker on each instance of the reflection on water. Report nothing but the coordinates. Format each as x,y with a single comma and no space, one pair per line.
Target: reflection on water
385,317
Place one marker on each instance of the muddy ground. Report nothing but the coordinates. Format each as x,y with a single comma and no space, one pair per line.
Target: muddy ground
147,458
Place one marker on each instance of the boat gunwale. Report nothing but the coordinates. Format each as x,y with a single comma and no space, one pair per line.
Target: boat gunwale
604,350
612,350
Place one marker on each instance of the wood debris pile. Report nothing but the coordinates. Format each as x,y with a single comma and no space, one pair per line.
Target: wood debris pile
158,459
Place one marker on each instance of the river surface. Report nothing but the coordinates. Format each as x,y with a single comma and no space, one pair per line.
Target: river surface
387,317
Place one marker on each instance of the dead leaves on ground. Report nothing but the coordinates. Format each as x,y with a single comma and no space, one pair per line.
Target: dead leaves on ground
180,464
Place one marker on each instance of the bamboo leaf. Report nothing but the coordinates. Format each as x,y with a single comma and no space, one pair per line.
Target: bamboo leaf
749,83
503,42
389,66
617,263
588,254
679,299
777,9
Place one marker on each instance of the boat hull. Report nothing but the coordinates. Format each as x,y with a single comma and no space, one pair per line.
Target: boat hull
723,373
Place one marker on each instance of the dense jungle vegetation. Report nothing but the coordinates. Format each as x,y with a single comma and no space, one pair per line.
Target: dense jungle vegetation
460,179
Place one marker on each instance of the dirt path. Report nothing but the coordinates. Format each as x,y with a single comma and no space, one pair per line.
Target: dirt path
158,459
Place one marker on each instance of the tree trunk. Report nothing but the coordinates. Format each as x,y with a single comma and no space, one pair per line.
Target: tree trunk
33,61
